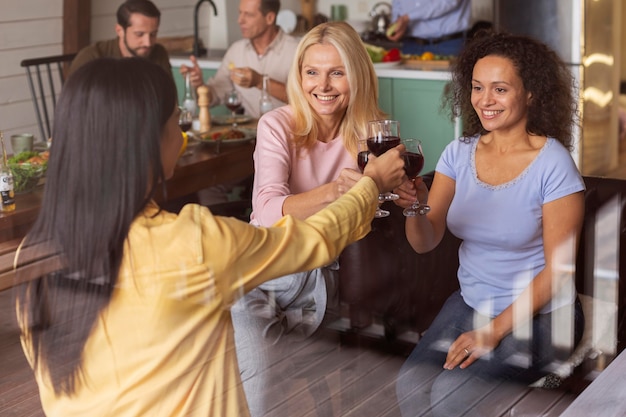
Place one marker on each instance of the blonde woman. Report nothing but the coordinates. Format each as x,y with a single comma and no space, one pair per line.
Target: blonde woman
305,158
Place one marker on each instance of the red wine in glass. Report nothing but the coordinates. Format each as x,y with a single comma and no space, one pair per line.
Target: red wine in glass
361,159
233,102
185,126
413,164
381,144
233,107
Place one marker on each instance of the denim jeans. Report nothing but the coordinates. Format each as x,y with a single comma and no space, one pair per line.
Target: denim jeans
273,324
425,388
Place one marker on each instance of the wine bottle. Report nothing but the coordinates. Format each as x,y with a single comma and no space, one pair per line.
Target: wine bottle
7,192
265,102
189,102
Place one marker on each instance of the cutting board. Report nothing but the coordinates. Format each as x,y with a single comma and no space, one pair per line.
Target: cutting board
427,65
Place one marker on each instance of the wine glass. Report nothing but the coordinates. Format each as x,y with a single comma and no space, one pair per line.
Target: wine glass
413,164
233,102
361,160
185,119
383,135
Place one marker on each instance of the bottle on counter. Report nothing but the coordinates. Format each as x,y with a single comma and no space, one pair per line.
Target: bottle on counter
189,102
7,193
265,102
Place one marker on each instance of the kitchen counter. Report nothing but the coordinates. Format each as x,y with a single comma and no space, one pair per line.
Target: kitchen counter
411,95
213,61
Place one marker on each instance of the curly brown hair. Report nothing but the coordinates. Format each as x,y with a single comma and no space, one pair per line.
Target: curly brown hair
553,109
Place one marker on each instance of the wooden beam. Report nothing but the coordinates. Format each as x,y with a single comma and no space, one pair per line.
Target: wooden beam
76,25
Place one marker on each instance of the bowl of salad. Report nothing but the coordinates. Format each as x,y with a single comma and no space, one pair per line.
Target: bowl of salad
27,169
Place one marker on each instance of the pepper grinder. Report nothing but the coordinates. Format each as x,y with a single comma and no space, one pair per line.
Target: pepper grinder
204,115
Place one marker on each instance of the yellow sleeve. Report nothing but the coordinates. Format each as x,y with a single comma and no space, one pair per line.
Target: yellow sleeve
243,256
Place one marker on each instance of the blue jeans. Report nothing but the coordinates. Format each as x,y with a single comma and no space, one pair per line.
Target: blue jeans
425,388
273,324
451,47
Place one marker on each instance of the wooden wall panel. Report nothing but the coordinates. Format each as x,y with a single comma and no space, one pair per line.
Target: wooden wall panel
76,25
28,28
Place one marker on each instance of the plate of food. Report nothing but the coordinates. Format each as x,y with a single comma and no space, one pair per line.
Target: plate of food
227,119
228,135
28,168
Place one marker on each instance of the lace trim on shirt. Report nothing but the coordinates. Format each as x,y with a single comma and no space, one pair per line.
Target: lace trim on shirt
506,184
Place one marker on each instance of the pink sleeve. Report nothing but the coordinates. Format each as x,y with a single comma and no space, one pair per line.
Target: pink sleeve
272,166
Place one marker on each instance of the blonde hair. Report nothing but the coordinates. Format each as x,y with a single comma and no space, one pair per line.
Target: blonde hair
362,79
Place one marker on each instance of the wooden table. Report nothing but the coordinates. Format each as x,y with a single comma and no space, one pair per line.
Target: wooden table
606,395
203,168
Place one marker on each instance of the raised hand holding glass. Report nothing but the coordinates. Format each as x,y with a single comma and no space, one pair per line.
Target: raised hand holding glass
413,164
361,159
383,135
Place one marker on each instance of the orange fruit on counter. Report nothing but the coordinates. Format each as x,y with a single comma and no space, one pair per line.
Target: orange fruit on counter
427,56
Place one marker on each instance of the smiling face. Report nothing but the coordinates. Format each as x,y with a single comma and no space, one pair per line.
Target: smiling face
324,81
498,95
139,37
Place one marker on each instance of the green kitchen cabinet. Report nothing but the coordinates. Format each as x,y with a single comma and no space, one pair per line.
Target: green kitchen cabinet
385,95
416,104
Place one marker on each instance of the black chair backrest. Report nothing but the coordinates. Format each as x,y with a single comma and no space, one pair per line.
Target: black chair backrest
44,86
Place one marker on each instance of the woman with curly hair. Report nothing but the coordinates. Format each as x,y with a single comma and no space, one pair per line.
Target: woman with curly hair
511,191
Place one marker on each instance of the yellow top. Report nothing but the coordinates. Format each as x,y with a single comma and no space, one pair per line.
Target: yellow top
164,345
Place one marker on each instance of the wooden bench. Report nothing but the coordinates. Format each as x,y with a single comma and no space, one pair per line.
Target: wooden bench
34,262
391,294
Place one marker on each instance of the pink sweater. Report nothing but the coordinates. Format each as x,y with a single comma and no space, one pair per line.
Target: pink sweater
278,173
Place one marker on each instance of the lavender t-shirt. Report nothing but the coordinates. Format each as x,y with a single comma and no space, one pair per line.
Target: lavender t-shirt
501,226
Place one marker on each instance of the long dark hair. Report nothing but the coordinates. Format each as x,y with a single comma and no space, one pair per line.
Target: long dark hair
553,108
105,164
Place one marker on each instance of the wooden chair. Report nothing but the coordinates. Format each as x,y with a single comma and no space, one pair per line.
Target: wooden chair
45,79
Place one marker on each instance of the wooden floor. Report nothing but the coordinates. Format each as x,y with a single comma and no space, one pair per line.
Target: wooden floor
18,392
350,380
354,377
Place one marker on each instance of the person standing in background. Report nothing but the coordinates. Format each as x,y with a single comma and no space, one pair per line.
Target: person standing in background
437,26
136,28
265,49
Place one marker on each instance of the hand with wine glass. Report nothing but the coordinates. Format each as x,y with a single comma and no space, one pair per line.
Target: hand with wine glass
413,164
362,158
233,102
383,135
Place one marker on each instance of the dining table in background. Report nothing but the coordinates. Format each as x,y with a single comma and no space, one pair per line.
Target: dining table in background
205,165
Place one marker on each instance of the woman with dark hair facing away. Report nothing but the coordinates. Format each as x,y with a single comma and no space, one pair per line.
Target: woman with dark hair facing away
511,191
136,320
